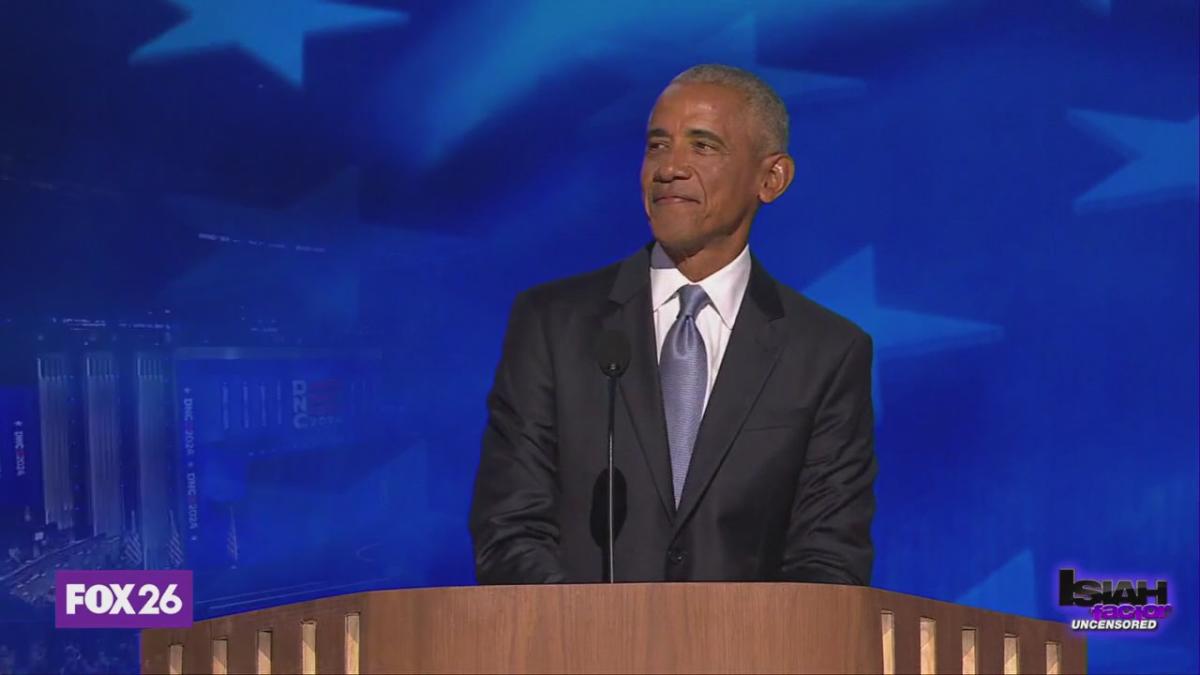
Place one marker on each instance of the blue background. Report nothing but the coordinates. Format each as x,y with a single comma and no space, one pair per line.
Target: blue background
1003,193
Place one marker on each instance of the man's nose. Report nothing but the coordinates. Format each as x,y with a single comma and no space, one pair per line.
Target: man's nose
673,167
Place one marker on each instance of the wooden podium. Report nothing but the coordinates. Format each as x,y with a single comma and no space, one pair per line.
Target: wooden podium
643,628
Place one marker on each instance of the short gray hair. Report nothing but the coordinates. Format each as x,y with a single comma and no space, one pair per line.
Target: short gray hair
765,105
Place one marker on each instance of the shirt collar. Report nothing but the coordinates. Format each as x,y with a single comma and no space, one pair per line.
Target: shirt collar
724,288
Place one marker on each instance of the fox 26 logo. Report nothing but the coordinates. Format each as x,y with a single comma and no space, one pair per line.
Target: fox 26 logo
123,599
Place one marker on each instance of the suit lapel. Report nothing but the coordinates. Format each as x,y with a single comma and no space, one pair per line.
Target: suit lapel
640,387
753,349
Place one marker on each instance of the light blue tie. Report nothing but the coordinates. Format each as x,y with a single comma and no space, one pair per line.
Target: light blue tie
683,368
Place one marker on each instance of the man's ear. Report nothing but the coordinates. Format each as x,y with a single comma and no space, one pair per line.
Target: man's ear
781,169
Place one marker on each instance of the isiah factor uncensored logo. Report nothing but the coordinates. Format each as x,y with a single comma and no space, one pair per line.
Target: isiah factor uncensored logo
1114,605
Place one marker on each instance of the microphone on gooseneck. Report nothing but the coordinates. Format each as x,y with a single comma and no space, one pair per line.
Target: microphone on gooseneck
609,496
612,353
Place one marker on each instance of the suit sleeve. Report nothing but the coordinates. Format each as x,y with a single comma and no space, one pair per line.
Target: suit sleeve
829,535
512,521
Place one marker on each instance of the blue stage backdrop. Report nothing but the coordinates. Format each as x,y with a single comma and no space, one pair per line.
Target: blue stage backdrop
238,236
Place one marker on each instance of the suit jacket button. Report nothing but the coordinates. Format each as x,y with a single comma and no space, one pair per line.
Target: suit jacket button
676,555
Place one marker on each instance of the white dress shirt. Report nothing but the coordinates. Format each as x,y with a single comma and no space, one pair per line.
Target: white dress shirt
724,288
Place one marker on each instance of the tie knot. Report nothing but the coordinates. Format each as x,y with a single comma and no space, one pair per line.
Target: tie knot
692,299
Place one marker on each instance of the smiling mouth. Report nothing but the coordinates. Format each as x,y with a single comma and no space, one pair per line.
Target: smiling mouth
674,199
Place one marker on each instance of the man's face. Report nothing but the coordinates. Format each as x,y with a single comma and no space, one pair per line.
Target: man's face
703,167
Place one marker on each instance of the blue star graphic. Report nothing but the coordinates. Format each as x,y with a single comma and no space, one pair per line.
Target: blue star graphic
300,230
737,45
271,31
1010,587
334,203
526,44
313,226
849,289
1164,159
1099,6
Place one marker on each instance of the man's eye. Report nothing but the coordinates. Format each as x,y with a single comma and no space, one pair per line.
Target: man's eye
705,146
655,145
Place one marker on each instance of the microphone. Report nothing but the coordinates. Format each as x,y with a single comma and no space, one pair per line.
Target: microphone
612,355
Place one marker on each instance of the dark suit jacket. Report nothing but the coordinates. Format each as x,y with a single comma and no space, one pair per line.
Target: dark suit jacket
780,482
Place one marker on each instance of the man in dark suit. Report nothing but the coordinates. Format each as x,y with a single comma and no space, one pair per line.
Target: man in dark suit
743,427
